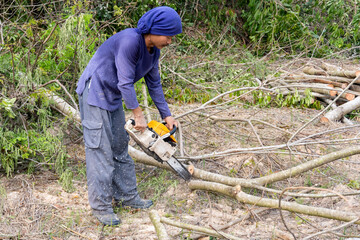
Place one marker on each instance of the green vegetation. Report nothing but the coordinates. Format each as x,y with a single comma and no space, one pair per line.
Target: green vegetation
41,42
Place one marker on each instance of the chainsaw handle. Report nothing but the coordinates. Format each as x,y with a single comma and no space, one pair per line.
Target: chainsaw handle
173,130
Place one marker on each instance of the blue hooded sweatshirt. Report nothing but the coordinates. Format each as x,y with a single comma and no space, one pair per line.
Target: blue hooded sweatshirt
123,59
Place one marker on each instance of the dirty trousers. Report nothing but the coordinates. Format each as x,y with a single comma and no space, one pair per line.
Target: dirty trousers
110,170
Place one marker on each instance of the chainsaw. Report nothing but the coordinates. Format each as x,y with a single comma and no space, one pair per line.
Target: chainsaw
158,142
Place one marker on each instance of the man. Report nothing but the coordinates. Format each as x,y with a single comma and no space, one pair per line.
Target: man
108,79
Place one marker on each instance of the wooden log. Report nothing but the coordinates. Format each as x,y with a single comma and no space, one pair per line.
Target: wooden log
335,84
313,71
334,106
332,92
350,96
330,70
329,67
355,88
311,77
339,112
199,229
323,89
61,105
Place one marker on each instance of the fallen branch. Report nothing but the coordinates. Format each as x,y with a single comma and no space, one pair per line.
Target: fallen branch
332,229
235,192
198,229
307,166
159,228
74,232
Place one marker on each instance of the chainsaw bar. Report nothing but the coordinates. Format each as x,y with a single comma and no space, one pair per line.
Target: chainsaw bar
179,168
174,164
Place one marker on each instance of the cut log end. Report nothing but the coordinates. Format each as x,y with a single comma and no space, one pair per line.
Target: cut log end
324,120
236,189
333,93
191,169
350,96
357,73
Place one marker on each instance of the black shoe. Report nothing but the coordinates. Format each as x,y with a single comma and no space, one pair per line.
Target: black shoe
137,203
106,218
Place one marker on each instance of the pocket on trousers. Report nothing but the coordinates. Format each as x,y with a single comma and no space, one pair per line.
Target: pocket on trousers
92,133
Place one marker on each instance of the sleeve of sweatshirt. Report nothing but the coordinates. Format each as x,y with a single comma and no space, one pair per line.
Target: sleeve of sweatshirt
126,56
153,83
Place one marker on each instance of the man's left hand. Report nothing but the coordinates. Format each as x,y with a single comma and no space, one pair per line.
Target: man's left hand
170,122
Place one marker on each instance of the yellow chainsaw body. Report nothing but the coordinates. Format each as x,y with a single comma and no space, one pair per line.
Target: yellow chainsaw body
160,129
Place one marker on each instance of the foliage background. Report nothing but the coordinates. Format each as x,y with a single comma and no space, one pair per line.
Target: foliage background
45,45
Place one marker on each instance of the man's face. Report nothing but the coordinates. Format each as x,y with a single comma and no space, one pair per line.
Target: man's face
160,41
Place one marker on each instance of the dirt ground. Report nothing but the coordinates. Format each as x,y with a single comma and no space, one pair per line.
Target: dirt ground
37,207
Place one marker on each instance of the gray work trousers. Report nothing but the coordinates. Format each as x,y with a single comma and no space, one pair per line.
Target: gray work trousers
110,170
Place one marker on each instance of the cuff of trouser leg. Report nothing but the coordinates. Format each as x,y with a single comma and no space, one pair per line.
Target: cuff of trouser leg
125,197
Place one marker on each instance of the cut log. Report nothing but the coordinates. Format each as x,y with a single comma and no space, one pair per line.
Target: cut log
334,106
323,89
332,92
343,73
341,111
311,77
333,83
355,88
350,96
330,70
313,71
329,67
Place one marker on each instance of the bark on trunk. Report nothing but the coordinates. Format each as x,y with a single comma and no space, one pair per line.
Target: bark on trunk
339,112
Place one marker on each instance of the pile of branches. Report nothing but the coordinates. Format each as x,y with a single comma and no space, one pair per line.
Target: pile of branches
336,87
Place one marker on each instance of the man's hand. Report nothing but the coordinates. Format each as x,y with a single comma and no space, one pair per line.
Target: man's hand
170,122
140,122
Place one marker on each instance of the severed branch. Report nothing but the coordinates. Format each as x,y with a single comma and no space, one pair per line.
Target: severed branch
198,229
235,192
291,172
339,112
159,228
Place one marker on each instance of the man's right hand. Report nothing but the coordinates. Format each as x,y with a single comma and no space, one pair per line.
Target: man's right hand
140,122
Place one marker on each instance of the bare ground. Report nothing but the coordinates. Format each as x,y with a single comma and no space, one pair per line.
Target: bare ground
36,207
